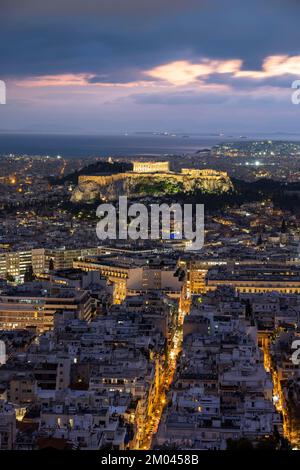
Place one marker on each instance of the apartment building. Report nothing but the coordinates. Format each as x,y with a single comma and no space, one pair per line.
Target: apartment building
35,305
7,426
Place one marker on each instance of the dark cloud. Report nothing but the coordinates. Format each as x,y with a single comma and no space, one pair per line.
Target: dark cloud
115,40
115,8
248,83
115,77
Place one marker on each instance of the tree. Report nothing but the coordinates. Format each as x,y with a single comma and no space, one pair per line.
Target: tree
267,443
283,226
248,309
259,240
10,277
239,444
29,274
51,264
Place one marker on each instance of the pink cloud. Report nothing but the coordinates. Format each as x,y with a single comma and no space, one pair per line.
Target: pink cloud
68,80
185,72
274,66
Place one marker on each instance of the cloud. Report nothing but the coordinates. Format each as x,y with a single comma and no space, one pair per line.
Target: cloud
117,40
184,72
274,66
106,8
70,80
64,80
123,54
275,71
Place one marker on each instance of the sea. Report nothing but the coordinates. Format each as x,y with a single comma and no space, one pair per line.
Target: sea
81,146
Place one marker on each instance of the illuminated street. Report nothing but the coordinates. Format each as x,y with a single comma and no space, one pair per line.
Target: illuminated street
151,426
279,398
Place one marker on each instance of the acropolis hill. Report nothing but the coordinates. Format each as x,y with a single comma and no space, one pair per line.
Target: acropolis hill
149,178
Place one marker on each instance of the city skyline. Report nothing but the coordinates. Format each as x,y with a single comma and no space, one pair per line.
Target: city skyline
150,229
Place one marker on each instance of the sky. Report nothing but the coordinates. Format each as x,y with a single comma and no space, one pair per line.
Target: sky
115,66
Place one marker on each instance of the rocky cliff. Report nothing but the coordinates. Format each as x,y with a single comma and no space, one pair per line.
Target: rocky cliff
138,185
